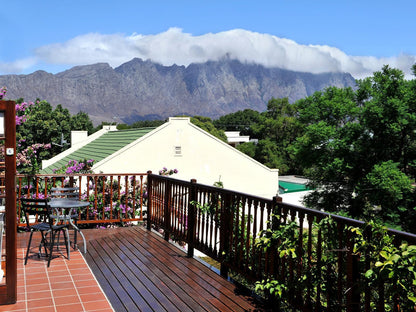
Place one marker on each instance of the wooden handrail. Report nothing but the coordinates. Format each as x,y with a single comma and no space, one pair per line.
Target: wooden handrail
223,224
103,191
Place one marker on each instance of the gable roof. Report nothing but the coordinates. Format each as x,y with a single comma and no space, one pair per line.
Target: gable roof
102,147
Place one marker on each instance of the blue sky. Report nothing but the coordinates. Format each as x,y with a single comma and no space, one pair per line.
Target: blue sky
313,36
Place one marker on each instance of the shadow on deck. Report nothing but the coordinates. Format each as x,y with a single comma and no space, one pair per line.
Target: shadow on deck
139,271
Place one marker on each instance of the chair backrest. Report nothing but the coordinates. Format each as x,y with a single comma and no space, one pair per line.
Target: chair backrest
36,207
64,192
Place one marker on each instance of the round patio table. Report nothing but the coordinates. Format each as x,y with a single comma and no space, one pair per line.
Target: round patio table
64,208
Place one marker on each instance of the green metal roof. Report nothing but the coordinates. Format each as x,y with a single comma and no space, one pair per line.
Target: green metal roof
290,187
102,147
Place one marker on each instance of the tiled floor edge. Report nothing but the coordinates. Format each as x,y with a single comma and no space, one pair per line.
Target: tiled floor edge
92,273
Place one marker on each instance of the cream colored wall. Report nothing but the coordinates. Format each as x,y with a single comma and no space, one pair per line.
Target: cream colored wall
204,158
78,137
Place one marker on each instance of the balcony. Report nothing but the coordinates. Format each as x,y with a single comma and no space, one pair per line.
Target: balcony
138,268
135,269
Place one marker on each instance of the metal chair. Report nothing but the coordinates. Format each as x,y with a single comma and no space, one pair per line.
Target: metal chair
40,209
66,193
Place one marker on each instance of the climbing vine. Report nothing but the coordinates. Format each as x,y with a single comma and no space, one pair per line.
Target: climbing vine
387,272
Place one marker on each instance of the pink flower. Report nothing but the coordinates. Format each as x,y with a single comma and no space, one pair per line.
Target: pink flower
3,91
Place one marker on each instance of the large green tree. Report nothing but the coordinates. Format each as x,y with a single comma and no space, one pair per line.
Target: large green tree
41,130
206,124
275,129
241,121
359,148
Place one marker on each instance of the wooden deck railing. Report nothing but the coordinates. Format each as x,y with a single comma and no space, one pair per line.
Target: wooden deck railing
224,225
113,198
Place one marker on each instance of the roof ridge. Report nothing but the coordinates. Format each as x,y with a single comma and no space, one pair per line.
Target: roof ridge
132,129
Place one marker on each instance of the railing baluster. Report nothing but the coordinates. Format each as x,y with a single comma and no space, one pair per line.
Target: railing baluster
340,270
318,270
353,301
150,214
299,253
191,218
233,220
126,198
141,197
226,234
253,236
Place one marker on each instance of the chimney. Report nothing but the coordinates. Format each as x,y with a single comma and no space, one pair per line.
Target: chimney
78,137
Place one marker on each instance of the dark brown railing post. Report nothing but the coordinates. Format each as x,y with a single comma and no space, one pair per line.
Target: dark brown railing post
276,212
149,200
166,209
225,233
191,218
353,294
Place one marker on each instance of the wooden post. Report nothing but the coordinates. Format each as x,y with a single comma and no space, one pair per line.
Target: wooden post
149,200
225,232
276,212
8,292
353,295
167,209
191,218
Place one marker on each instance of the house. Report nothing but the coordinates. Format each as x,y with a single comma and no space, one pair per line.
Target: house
234,138
177,144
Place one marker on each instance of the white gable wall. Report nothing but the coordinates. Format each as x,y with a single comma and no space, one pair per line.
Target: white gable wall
202,157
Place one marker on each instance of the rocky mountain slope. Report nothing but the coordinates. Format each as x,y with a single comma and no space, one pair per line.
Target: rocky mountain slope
139,89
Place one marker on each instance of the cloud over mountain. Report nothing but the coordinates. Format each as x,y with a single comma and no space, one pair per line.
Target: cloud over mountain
176,47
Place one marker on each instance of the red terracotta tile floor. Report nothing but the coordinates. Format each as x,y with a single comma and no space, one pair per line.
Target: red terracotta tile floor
67,285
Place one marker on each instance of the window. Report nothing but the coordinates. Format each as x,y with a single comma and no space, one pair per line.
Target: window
178,150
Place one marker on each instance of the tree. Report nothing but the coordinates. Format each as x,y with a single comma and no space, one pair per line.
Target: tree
358,147
270,154
148,123
206,124
277,130
40,129
81,121
248,148
40,126
241,121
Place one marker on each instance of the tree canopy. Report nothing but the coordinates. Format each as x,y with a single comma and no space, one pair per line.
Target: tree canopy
41,130
356,145
275,130
359,148
206,124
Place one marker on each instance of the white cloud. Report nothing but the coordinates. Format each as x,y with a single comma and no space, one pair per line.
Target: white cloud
176,47
17,66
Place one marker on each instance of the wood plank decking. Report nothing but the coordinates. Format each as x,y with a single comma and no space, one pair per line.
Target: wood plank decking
139,271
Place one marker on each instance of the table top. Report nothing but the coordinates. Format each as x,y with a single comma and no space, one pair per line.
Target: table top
67,203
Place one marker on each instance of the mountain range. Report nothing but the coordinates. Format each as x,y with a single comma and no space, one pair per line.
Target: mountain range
140,90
